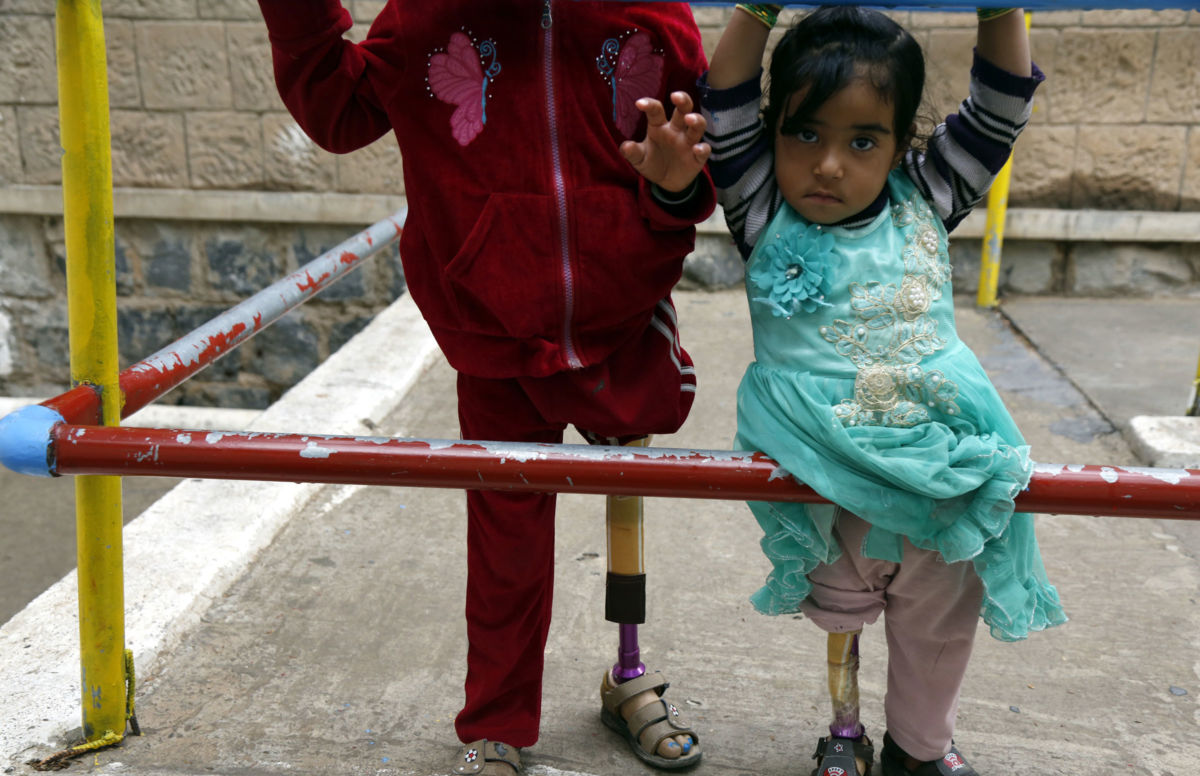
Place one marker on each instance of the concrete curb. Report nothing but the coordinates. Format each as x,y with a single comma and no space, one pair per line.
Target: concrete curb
1085,225
1060,225
1167,441
165,416
186,550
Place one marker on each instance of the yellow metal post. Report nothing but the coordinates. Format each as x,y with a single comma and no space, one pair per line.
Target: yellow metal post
993,232
1193,408
92,318
993,237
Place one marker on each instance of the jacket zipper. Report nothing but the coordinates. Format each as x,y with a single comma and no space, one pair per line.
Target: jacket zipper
560,188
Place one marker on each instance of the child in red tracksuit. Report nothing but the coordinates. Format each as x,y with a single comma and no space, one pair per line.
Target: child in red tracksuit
542,243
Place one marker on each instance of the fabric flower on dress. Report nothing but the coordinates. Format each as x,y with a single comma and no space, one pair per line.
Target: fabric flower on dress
794,271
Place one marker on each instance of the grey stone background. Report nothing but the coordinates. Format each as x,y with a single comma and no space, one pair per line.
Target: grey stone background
210,174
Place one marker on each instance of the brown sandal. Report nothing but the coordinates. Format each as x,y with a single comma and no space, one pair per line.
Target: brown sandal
660,720
475,756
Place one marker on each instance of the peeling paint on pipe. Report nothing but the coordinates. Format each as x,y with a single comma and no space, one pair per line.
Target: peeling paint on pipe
150,378
659,472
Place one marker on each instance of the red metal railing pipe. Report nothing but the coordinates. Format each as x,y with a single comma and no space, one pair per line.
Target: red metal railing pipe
662,472
79,405
150,378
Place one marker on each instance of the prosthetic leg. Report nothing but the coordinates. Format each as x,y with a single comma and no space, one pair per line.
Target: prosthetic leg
842,651
656,732
625,589
847,750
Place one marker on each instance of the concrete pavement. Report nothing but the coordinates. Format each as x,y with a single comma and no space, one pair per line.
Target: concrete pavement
1135,359
334,642
37,515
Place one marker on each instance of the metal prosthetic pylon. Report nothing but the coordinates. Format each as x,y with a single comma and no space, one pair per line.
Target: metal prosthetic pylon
842,649
625,589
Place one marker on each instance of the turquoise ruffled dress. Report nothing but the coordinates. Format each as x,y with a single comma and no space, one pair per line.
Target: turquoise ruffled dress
862,390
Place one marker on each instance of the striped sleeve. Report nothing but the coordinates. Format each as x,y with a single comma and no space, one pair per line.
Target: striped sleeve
742,165
966,151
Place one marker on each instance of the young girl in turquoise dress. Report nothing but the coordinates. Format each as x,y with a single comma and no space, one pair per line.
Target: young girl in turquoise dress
860,386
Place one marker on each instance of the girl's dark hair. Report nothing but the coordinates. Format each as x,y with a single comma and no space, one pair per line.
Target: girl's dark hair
832,46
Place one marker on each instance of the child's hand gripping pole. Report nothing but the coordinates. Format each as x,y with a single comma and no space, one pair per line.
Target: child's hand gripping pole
625,589
767,13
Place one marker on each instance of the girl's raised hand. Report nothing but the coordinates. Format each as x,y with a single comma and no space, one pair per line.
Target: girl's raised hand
672,155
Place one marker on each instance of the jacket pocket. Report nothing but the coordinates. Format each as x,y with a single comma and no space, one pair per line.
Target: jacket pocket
624,267
505,279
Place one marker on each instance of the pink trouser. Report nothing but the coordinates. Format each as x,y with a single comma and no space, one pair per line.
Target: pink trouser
931,611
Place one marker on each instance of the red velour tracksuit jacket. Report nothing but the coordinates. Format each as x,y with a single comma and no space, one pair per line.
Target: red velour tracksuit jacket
531,245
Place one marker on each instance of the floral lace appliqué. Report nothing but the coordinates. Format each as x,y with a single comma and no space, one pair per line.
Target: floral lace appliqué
795,270
922,254
892,331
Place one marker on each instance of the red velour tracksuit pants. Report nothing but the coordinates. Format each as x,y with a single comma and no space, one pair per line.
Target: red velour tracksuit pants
645,387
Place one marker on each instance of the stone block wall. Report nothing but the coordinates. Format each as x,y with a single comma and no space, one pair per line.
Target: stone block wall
194,112
171,277
192,100
1116,125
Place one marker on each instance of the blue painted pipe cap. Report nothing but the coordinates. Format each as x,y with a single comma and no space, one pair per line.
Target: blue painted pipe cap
25,440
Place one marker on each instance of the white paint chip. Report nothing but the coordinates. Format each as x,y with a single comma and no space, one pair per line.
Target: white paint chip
314,450
1169,476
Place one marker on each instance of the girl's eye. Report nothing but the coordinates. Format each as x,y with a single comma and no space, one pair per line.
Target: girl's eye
806,136
863,143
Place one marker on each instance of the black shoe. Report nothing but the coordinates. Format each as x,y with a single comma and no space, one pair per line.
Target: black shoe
893,758
837,756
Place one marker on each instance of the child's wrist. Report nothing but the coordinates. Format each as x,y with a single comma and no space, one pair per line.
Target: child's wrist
668,197
987,14
765,13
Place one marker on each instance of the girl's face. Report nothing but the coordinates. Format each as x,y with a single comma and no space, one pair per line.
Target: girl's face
838,162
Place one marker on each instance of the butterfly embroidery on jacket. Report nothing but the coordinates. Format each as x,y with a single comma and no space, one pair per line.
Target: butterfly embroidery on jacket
457,77
633,71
